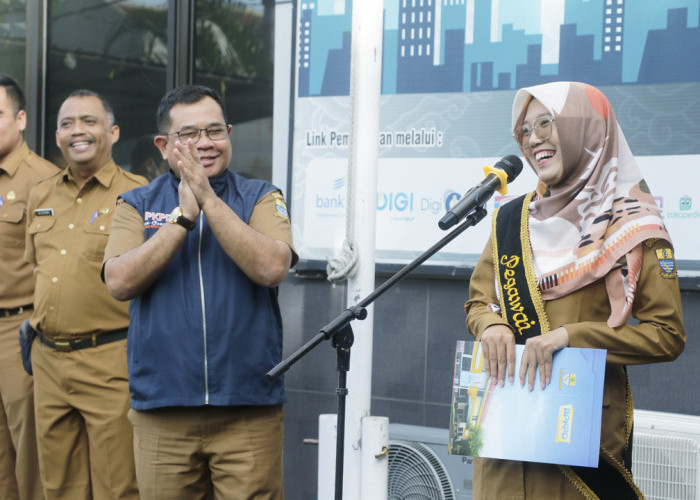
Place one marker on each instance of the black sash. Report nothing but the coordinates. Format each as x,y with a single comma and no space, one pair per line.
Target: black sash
522,307
521,304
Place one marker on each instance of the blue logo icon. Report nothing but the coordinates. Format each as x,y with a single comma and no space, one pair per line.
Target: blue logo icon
451,199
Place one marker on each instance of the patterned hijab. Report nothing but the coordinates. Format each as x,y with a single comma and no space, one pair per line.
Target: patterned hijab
592,223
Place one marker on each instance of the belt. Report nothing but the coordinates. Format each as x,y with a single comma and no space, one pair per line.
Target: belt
6,313
93,341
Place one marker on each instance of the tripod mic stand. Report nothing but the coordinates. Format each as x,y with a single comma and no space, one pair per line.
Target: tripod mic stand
339,331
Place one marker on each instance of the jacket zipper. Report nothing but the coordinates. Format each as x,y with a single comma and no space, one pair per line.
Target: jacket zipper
204,310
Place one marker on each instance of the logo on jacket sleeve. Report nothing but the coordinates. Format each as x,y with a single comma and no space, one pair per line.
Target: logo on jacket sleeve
155,220
666,262
280,206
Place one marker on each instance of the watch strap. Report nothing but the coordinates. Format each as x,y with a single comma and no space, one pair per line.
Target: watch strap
178,218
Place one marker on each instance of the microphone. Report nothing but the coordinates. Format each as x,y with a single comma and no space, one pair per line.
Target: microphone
504,171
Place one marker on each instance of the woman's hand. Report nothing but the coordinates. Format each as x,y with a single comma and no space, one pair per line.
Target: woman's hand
498,346
538,354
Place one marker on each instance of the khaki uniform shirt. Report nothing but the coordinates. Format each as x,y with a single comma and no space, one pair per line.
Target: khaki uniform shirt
128,226
659,336
19,172
67,232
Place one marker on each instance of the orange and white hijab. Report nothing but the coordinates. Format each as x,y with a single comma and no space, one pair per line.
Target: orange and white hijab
592,224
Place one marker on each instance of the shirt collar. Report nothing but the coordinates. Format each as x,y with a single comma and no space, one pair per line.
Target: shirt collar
13,160
218,183
104,175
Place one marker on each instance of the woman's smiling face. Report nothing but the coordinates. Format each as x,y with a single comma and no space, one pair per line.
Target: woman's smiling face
543,154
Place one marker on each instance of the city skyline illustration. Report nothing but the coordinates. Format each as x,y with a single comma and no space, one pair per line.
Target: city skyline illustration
435,46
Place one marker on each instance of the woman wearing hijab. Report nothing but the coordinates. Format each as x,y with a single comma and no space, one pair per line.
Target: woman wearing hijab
567,265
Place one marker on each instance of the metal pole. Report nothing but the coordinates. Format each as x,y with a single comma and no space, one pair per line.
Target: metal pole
365,90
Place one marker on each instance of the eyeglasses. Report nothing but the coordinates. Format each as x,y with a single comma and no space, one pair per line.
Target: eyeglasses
214,134
542,128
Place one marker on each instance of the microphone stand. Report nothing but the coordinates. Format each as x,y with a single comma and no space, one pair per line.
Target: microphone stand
340,333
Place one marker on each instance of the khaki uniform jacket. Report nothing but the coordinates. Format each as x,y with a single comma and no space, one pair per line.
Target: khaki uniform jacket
19,172
67,232
659,336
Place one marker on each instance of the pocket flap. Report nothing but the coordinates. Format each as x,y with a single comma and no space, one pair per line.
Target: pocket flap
41,224
11,214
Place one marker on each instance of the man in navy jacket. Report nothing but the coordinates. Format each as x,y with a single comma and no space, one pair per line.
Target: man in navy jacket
201,251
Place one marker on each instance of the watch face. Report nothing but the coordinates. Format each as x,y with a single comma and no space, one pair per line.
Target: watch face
177,212
176,217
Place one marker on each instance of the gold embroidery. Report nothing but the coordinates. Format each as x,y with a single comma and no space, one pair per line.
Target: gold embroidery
497,271
578,483
608,457
530,264
520,320
629,408
622,470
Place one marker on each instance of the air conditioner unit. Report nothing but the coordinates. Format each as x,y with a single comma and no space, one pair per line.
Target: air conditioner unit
420,467
665,455
665,460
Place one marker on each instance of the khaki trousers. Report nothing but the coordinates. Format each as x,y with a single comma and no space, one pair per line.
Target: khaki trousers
19,465
85,440
190,453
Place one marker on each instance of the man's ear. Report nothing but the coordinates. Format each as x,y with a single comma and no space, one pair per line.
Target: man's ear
114,133
21,119
161,143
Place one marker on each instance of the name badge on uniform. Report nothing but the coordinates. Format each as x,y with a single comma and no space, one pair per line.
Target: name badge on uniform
43,211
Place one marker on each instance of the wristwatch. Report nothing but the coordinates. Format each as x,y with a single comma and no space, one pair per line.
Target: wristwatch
176,217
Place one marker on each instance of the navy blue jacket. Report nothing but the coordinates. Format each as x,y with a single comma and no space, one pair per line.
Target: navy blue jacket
203,333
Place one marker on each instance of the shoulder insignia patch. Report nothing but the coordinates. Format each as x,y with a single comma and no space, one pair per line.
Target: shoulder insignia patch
666,262
280,206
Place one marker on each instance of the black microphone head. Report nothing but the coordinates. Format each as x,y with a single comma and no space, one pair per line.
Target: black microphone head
512,166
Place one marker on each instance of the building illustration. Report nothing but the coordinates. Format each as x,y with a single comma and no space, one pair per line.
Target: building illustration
434,46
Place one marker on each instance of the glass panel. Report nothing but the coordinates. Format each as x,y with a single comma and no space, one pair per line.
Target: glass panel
234,55
13,36
118,49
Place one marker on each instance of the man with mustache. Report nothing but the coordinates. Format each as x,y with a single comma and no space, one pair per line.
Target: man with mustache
79,358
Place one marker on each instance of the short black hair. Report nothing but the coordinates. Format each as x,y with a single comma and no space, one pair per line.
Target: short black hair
185,94
14,93
144,150
91,93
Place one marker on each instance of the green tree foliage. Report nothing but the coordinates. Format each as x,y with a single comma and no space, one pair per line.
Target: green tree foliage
475,440
232,38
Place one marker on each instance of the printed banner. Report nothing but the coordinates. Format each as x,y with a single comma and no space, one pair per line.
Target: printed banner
449,75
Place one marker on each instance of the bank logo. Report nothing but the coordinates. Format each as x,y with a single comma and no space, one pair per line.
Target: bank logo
338,183
565,423
686,203
333,201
